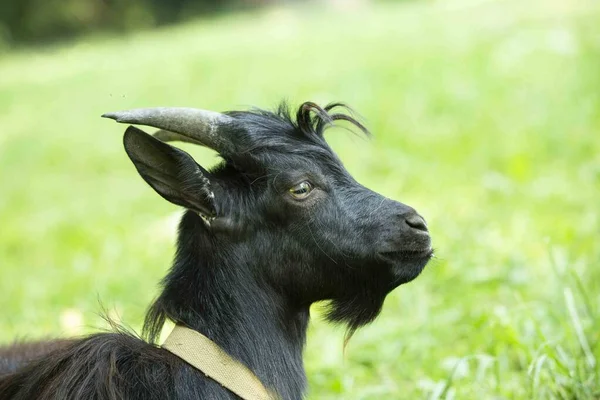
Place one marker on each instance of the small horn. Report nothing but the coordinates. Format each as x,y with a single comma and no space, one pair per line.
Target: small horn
183,124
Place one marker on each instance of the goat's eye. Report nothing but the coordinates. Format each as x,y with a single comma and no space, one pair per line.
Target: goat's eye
301,190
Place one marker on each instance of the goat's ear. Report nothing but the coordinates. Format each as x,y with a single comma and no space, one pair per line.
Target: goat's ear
173,173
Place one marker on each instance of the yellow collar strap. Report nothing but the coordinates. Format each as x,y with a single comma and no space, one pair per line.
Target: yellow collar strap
207,357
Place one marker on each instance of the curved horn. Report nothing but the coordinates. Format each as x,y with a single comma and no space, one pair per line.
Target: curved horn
179,123
168,136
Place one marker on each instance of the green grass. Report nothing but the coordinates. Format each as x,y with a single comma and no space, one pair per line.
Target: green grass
486,118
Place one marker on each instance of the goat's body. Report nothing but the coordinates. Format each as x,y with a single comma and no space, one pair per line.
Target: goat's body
110,366
20,353
121,366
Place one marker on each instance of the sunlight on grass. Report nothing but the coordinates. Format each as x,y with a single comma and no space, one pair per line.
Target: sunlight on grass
486,119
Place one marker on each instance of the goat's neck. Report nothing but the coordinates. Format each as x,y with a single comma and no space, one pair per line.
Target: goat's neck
243,315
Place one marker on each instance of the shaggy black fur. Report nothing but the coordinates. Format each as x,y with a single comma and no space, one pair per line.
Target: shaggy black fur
20,353
247,280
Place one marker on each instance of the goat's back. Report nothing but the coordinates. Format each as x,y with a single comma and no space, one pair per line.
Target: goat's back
18,354
109,366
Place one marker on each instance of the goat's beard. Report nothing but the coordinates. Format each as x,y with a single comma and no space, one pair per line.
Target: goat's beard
361,304
356,311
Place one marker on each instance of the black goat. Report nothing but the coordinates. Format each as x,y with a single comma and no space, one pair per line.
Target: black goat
275,227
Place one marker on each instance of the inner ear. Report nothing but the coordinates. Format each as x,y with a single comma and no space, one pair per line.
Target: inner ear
171,172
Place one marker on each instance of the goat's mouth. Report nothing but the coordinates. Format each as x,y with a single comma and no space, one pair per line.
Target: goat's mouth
406,264
408,254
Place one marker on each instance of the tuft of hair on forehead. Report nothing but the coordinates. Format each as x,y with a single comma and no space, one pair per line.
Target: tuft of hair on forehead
311,119
284,129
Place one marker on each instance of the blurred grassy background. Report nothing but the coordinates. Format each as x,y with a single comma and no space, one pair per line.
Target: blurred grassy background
486,119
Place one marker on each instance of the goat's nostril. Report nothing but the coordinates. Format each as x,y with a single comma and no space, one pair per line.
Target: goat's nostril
417,222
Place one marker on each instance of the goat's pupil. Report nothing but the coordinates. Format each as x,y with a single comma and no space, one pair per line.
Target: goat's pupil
301,190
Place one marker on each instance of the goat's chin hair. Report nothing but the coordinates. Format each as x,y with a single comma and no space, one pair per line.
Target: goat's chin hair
354,312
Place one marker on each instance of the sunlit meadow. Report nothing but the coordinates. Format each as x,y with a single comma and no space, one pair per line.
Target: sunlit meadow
486,118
